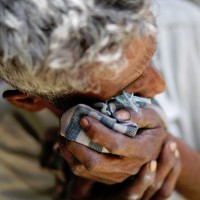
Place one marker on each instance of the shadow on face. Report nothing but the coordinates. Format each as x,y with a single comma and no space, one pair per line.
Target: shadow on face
138,77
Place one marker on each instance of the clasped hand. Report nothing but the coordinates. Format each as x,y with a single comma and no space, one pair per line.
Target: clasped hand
150,155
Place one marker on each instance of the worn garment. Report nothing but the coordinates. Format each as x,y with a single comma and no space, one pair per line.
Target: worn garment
21,133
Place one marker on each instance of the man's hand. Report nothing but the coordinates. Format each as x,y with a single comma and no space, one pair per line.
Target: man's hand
156,184
156,180
128,155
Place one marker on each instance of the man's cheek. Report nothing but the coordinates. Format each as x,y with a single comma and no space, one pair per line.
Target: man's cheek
148,84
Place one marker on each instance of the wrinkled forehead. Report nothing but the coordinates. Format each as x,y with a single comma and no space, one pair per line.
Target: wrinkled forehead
98,80
57,50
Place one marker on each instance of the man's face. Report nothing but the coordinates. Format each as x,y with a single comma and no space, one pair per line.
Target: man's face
137,77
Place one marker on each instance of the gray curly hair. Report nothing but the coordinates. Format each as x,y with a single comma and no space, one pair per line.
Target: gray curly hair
44,45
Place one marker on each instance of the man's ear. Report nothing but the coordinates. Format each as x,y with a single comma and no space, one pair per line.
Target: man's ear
24,101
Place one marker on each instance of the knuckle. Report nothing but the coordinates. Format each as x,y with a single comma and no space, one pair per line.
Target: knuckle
93,131
154,113
77,170
93,125
168,161
91,165
115,147
136,116
147,157
144,152
120,180
132,169
147,153
147,179
94,137
168,158
160,134
156,186
164,193
151,109
71,146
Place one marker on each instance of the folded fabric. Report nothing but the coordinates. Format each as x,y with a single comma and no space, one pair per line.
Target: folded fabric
104,113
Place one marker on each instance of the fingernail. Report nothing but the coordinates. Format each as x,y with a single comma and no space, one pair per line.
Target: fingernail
153,166
84,123
173,146
177,154
133,197
122,115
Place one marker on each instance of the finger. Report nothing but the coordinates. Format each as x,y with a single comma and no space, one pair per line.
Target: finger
170,182
75,165
79,169
142,147
165,165
65,152
145,117
92,160
104,166
142,181
102,135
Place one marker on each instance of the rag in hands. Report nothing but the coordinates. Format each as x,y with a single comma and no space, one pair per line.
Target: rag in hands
104,113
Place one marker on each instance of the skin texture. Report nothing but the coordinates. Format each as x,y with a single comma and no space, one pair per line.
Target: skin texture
130,156
189,179
144,186
150,183
137,76
137,69
160,182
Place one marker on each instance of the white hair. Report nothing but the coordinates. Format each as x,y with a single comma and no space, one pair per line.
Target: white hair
46,45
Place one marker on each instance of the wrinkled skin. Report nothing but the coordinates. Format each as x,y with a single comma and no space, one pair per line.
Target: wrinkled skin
130,156
147,184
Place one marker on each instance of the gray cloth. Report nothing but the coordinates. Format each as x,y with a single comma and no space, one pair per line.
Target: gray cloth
71,129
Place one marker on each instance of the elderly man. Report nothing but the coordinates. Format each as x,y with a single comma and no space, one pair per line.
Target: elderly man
71,52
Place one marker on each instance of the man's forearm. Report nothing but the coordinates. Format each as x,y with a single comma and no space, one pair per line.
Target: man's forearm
188,183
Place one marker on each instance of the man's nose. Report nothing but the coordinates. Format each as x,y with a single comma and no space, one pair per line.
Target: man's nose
148,84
